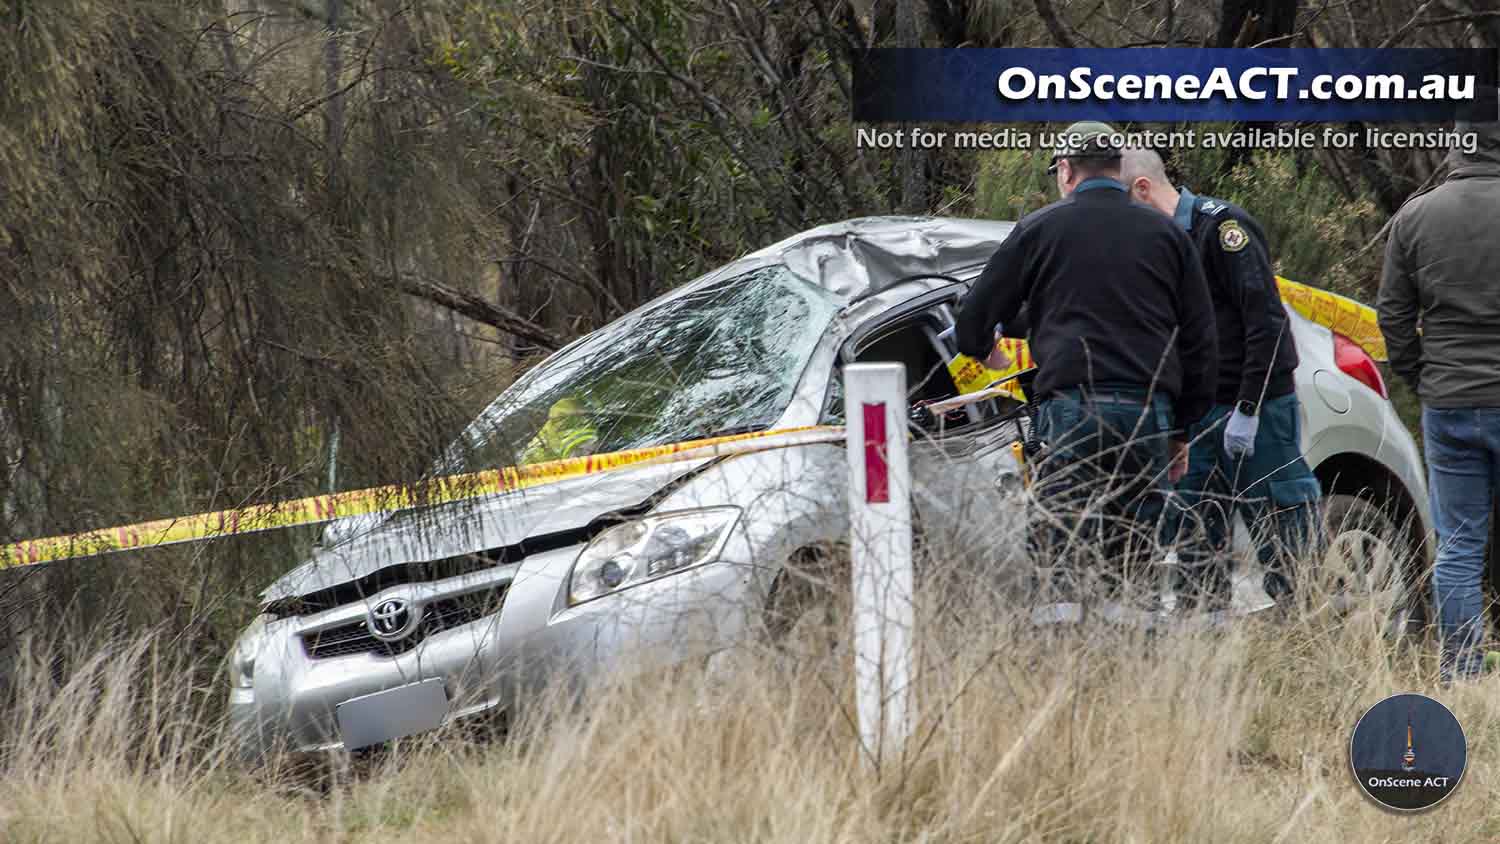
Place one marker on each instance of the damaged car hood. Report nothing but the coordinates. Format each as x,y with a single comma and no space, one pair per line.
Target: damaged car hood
369,545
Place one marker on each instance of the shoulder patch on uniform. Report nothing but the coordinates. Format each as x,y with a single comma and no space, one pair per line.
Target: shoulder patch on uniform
1232,236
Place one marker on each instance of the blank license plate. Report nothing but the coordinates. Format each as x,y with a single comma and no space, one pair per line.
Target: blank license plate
393,713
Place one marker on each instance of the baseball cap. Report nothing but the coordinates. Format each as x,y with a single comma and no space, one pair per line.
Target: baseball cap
1085,139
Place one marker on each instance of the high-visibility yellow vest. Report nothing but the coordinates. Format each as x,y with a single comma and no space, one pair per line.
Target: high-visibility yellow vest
566,429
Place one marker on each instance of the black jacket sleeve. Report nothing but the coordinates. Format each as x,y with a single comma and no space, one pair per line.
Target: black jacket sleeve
996,297
1019,326
1398,308
1251,287
1197,342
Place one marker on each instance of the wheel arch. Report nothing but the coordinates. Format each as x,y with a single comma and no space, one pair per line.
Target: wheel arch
1351,473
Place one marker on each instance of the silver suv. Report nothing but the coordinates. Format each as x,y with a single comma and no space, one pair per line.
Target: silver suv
402,622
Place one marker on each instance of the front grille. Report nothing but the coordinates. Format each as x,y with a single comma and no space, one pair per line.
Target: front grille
437,615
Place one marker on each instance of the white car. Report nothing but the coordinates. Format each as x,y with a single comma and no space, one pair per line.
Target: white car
403,622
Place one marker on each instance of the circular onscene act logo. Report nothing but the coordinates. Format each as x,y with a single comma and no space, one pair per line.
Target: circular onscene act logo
1408,752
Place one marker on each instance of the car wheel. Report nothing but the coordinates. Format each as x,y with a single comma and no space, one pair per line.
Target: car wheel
1366,563
807,606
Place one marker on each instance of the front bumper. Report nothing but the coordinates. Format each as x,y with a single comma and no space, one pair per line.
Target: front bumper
496,661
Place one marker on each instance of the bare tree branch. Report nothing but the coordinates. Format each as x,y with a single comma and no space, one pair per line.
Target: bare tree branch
1380,235
1282,40
1054,24
590,284
1486,25
1407,27
1467,17
480,310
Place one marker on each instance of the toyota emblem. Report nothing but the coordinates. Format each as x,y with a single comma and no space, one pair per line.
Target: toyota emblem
391,619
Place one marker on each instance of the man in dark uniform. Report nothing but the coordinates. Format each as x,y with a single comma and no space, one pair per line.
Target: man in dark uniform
1251,453
1120,323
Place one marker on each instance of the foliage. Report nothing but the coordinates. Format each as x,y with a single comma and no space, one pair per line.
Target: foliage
200,291
233,233
1314,230
696,133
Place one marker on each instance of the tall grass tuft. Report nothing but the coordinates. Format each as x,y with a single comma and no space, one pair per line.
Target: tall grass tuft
1092,732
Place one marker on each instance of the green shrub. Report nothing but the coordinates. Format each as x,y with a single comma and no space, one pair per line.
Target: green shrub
1317,232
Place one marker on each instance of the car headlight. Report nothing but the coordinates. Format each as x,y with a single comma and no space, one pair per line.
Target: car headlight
648,548
246,648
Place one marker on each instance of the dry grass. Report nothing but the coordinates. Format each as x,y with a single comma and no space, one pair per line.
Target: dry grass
1089,734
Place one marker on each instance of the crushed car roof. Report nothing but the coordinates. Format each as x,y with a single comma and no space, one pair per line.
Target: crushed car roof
850,258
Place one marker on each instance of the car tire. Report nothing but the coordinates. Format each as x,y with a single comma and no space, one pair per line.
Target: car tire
1368,562
808,602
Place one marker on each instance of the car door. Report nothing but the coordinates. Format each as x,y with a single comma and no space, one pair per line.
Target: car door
965,477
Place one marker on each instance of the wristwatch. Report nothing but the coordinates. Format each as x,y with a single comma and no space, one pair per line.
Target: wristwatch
1246,407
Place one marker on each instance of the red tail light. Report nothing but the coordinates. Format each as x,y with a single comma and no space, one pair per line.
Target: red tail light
1353,361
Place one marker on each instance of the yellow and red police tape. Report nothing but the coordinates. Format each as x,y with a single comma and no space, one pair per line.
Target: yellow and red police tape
324,508
1339,313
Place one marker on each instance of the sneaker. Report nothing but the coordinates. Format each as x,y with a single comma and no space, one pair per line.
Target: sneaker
1066,612
1136,614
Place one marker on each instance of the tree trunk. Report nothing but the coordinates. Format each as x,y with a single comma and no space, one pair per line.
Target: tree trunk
333,129
1054,24
913,161
1245,23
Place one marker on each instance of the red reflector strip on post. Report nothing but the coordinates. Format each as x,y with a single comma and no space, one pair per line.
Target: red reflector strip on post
877,474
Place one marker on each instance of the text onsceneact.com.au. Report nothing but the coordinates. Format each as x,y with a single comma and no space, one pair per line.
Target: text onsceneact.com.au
1255,83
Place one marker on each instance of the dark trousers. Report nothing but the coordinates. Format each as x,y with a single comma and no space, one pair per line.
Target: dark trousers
1101,488
1274,491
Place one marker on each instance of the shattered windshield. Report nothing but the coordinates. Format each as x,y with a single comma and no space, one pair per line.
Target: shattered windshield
722,359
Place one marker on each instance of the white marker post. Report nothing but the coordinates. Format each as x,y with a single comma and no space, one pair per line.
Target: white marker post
881,549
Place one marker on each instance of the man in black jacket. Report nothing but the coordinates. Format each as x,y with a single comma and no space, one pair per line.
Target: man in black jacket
1250,456
1121,326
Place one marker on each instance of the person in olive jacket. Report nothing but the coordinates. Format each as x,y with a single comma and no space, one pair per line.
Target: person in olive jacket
1439,310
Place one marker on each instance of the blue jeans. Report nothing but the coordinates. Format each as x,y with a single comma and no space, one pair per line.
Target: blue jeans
1463,461
1102,484
1274,491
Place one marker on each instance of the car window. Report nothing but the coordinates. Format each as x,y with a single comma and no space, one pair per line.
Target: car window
725,358
914,343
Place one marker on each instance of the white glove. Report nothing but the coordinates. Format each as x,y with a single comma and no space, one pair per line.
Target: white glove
1239,434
